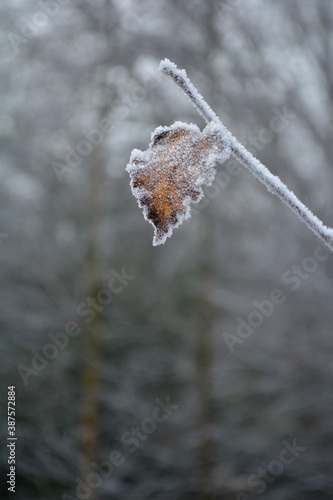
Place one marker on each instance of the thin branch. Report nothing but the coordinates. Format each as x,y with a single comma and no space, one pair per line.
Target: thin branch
272,182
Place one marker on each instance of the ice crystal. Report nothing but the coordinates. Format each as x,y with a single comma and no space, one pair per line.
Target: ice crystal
169,175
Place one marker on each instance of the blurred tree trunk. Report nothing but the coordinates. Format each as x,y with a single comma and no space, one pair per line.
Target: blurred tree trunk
204,353
91,345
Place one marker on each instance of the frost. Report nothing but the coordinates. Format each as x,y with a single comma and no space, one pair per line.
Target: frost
169,175
181,78
274,185
272,182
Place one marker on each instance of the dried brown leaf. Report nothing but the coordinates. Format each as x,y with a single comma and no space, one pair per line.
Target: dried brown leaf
168,176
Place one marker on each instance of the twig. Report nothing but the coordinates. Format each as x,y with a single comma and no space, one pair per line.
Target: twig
272,182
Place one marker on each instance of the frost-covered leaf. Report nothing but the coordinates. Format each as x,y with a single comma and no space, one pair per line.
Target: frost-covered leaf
169,175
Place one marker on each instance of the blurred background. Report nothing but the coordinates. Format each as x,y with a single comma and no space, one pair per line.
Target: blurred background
165,372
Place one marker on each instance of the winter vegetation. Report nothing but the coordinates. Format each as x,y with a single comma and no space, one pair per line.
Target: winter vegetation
200,369
168,177
181,163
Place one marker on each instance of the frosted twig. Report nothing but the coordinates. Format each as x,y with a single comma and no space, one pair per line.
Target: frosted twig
272,182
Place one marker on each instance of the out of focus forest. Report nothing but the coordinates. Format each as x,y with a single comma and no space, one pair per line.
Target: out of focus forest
202,368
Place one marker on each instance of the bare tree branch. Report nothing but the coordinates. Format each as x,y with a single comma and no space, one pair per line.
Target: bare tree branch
272,182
